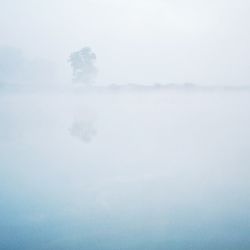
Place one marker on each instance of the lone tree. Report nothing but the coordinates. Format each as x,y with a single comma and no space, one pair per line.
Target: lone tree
83,65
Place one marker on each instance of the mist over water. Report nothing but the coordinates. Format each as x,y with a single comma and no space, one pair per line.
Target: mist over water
125,170
124,125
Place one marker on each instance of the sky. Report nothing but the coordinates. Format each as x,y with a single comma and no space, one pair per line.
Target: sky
136,41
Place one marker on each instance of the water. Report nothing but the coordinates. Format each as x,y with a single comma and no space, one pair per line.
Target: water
125,170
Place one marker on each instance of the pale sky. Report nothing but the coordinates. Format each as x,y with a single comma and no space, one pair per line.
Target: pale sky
139,41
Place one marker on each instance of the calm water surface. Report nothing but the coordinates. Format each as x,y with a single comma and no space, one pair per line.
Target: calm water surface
125,171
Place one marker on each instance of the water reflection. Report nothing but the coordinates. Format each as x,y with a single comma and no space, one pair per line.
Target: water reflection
165,172
83,130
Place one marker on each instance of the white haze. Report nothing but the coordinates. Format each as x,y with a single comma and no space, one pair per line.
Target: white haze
141,41
156,167
142,170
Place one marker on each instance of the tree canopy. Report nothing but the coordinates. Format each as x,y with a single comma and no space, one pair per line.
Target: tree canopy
83,65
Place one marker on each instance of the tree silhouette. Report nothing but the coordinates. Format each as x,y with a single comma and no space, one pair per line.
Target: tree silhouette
83,65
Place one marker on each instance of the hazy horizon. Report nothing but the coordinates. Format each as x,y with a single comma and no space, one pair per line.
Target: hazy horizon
124,125
136,41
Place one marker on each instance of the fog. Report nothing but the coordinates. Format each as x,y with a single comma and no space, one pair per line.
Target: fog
17,70
128,170
124,125
136,41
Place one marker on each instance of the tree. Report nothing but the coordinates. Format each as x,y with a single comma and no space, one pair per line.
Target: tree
83,65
